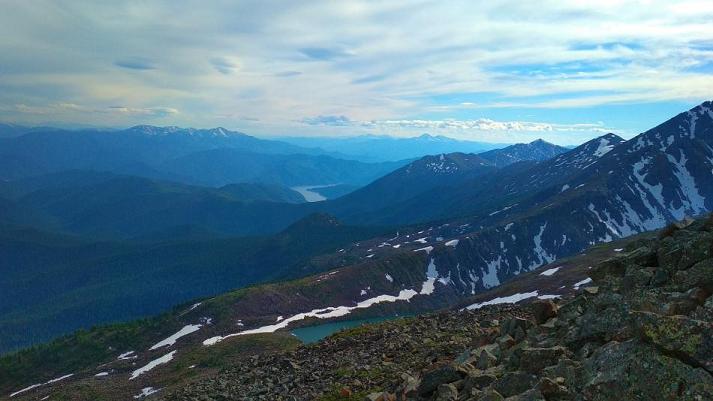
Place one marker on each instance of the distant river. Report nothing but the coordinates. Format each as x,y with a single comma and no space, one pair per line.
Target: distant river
313,334
309,195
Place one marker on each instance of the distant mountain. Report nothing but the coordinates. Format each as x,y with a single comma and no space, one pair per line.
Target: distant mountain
388,148
524,216
252,192
129,206
13,130
194,156
396,198
538,150
405,183
218,167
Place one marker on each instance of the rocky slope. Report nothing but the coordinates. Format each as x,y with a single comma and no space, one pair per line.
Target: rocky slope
642,332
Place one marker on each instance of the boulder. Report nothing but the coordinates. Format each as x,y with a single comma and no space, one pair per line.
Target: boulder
447,392
553,389
698,275
534,359
486,360
477,381
443,375
513,383
543,310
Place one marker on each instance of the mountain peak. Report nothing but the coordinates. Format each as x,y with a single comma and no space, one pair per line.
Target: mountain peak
155,130
314,221
537,150
539,141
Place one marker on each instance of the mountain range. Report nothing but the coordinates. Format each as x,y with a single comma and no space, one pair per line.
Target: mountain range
428,235
190,156
386,148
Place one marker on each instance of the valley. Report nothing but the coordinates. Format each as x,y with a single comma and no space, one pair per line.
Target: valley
356,200
461,232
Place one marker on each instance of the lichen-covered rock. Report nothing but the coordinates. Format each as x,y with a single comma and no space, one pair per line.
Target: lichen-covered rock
698,275
690,339
695,248
635,371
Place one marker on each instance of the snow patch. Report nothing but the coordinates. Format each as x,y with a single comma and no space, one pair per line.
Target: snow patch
186,330
158,361
604,147
126,355
41,384
540,252
428,249
510,299
453,243
581,283
145,392
550,272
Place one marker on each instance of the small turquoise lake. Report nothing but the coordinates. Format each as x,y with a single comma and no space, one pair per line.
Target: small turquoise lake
313,334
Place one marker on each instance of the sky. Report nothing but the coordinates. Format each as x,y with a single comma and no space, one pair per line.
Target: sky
498,71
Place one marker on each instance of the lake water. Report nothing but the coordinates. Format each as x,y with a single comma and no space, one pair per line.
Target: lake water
308,193
313,334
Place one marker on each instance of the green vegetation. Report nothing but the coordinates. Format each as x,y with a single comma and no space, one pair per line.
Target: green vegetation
55,284
78,351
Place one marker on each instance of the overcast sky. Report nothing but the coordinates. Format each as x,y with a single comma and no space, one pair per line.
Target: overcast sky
483,70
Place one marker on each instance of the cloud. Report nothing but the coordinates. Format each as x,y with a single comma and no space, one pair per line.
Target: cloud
504,61
52,109
481,124
337,121
224,65
324,53
148,111
287,74
135,64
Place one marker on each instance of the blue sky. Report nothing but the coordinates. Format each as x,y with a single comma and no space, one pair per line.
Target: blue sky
500,71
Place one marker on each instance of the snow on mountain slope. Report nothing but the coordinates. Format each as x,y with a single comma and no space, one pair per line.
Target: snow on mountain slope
614,189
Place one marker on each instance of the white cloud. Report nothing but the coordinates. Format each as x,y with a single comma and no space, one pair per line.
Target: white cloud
481,124
382,64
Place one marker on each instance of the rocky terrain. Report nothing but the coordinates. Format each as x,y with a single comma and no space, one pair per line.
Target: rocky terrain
641,331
